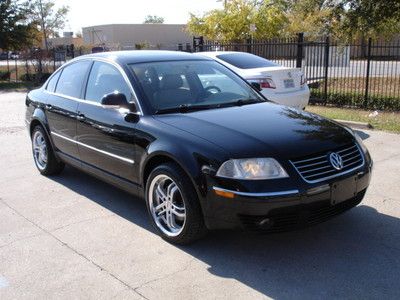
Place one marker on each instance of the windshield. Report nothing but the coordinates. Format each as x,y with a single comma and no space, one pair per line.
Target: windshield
188,85
246,60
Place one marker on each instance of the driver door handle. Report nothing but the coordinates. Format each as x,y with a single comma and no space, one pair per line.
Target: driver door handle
80,117
49,107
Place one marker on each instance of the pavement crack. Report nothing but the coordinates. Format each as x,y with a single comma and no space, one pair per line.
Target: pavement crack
81,221
72,249
186,267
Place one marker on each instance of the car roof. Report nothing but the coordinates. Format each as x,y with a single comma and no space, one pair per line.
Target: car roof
142,56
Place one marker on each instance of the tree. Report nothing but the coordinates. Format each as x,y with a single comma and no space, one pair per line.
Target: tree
49,19
232,23
15,32
371,18
314,17
153,20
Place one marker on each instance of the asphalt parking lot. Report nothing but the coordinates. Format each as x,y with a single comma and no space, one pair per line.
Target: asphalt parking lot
72,236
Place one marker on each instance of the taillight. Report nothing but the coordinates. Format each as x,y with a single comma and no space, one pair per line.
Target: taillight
265,83
303,80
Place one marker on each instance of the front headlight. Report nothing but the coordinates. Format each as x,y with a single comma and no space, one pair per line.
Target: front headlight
360,142
252,168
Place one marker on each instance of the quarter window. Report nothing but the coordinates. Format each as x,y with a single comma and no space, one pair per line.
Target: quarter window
105,79
71,79
51,86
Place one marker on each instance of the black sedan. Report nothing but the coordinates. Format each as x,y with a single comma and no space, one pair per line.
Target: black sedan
203,147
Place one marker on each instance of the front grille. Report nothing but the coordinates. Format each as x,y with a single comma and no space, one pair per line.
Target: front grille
299,216
318,167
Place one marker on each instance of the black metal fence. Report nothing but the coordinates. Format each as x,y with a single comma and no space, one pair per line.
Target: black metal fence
360,74
36,64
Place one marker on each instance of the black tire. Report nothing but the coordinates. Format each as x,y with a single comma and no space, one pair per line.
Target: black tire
52,166
194,227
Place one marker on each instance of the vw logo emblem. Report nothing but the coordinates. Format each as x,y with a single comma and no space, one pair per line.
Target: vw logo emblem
336,161
289,74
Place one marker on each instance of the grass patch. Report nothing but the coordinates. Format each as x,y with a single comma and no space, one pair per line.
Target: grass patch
387,121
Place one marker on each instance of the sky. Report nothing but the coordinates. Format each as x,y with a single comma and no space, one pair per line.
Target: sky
87,13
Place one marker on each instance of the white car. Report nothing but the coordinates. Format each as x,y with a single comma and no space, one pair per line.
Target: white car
280,84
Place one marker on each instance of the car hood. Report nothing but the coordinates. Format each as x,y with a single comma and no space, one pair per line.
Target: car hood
264,129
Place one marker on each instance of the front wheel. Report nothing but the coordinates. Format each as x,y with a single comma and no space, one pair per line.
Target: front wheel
173,205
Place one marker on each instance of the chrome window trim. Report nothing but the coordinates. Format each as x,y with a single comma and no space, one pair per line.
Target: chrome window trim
334,175
100,59
131,161
266,194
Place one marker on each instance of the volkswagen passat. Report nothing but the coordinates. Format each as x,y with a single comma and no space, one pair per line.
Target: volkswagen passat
144,121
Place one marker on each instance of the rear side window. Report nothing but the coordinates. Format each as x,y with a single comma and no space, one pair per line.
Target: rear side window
71,79
51,86
105,79
246,60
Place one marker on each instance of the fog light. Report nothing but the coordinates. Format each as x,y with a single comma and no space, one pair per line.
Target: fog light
265,223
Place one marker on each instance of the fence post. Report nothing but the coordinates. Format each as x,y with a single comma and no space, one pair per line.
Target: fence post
8,68
16,70
54,60
300,44
327,41
249,42
368,71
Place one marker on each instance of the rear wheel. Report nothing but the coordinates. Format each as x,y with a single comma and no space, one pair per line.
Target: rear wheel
43,154
173,205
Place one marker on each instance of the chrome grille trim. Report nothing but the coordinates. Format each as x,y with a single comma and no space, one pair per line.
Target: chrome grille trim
319,168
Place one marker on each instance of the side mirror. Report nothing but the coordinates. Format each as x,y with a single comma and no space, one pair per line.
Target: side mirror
256,86
115,99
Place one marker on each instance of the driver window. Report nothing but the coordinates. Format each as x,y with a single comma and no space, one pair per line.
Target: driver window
105,79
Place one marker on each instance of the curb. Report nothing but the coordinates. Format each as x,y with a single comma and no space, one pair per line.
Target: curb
354,124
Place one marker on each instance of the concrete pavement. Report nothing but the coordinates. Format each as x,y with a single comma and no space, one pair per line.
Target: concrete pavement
73,236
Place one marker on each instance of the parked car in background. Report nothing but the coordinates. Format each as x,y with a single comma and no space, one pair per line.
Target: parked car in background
5,55
203,158
283,85
14,55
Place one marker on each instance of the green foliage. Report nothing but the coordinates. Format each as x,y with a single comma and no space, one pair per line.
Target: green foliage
37,78
371,18
356,100
142,45
343,19
232,23
15,31
4,75
153,20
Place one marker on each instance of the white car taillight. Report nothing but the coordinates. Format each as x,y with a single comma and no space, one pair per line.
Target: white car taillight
265,83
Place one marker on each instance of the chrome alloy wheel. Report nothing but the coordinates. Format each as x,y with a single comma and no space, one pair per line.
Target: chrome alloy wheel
166,205
39,148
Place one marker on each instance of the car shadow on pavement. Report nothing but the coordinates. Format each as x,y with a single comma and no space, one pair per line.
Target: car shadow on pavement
355,255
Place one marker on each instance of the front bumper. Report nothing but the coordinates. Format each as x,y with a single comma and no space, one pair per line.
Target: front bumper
287,208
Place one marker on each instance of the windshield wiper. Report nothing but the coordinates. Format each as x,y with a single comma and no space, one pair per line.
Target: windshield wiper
184,108
243,101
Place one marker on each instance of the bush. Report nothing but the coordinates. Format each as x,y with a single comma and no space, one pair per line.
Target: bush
35,77
356,100
5,75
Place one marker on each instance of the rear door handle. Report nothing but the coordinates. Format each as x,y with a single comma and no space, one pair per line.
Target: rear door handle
80,117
